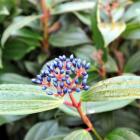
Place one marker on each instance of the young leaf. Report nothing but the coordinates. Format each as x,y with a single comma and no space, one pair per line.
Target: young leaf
78,135
18,99
24,21
117,88
122,134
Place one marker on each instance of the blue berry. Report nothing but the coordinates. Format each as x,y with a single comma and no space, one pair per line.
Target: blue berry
44,88
78,90
87,66
86,87
48,79
76,81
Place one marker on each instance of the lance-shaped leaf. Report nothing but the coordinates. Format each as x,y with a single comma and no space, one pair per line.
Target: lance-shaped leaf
16,25
17,99
72,7
117,88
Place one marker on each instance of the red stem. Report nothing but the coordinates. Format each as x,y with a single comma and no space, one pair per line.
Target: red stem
82,114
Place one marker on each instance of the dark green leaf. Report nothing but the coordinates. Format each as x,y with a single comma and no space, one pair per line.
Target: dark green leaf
16,49
24,21
69,37
122,134
133,64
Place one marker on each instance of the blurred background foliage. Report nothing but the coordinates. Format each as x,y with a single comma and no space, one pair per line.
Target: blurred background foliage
107,35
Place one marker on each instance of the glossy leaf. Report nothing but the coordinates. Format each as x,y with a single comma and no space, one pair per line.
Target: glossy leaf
72,6
122,134
79,135
45,131
133,64
117,88
20,99
97,35
69,37
17,49
24,21
132,12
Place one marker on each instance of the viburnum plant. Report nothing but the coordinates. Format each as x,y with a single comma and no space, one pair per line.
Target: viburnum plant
68,76
90,95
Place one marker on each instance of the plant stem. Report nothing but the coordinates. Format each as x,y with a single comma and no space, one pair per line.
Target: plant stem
45,20
84,116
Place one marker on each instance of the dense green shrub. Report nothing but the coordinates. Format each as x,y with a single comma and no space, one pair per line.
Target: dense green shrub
105,33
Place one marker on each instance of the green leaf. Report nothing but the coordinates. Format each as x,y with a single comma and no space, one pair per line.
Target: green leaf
1,66
133,64
4,11
122,134
84,17
97,35
16,49
132,12
132,31
72,6
45,131
93,107
78,135
17,99
24,21
58,137
12,78
8,118
104,33
117,88
70,37
111,65
27,34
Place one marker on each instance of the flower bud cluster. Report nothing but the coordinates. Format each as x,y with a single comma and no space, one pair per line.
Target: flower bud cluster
67,75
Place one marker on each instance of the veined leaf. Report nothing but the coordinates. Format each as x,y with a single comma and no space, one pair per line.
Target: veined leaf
17,99
121,87
24,21
94,107
78,135
122,134
72,7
